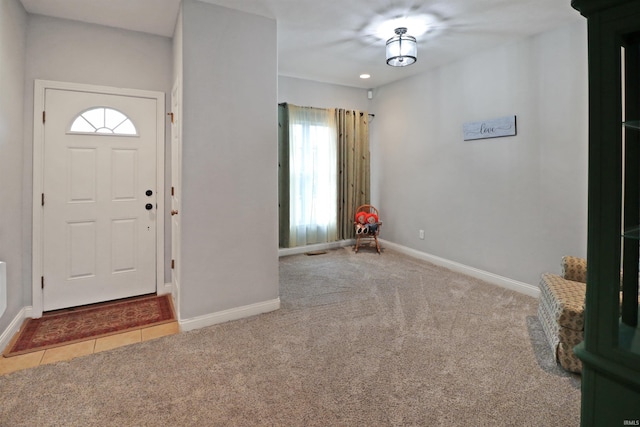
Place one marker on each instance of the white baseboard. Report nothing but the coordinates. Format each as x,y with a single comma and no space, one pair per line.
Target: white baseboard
167,289
229,315
14,327
318,247
514,285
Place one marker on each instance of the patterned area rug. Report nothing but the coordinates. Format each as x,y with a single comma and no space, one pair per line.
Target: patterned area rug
64,327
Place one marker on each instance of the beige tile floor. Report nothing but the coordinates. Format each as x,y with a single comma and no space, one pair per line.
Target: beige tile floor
84,348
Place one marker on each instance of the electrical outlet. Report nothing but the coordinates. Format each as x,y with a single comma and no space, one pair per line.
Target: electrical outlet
421,234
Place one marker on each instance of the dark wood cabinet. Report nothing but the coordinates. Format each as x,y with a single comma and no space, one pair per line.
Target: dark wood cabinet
611,349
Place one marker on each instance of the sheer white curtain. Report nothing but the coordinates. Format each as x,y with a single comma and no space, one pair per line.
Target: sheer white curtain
313,176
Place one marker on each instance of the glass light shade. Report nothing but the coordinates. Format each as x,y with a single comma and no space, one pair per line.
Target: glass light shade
402,50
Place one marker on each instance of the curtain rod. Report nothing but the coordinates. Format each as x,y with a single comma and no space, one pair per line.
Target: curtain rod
370,114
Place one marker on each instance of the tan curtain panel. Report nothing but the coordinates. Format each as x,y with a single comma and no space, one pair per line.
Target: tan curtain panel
283,175
353,167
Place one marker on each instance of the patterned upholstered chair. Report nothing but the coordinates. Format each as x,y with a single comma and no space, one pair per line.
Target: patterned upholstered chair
561,310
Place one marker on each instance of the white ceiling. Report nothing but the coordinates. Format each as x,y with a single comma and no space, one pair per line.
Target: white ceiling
333,40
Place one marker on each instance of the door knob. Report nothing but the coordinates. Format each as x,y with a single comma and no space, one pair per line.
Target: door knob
148,206
174,212
148,193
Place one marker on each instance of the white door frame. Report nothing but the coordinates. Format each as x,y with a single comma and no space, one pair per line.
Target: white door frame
38,177
176,188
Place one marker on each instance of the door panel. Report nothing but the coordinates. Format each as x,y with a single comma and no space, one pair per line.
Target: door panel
82,169
81,243
123,244
99,226
123,174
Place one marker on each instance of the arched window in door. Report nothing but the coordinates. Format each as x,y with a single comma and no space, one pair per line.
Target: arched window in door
103,120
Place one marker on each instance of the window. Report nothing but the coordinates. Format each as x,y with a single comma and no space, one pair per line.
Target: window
323,173
312,176
103,120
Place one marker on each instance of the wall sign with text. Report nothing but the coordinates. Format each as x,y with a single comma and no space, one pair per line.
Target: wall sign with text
494,128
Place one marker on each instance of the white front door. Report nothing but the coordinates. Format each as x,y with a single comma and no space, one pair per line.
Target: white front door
100,194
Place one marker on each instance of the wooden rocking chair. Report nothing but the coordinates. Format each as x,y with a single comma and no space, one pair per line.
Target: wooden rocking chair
368,209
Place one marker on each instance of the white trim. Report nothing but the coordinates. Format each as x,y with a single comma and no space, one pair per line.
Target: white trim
3,287
166,289
318,247
13,327
494,279
38,175
229,315
175,183
175,294
38,189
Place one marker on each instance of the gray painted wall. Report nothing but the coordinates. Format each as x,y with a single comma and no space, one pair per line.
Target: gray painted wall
13,24
67,51
510,206
229,178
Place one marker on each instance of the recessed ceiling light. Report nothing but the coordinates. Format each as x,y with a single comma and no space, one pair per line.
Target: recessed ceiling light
365,76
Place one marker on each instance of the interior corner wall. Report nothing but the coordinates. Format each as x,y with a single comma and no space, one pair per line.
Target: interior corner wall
177,50
308,93
70,51
229,225
511,206
13,35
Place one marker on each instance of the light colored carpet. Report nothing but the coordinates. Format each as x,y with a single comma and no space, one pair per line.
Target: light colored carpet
361,340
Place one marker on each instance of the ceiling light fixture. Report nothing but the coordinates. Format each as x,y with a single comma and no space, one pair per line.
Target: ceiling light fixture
402,49
365,76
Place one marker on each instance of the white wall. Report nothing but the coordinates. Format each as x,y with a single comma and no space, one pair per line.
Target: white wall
510,206
307,93
177,50
229,175
70,51
13,24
